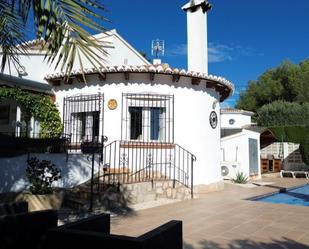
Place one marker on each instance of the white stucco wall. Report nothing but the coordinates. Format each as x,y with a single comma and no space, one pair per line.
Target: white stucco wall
34,65
119,52
193,104
74,171
235,148
240,120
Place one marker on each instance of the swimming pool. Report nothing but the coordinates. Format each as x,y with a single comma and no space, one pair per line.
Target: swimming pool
298,196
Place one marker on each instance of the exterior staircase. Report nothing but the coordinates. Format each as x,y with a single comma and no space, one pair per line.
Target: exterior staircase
136,172
119,198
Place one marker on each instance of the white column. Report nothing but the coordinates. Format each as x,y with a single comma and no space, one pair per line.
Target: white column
34,128
89,126
285,150
18,118
31,127
76,128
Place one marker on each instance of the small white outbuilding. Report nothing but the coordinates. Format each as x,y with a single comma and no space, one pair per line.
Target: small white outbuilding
240,144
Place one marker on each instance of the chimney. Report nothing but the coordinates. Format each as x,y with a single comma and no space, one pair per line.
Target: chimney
197,35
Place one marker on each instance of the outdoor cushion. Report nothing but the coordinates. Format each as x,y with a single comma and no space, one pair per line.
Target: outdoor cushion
300,174
13,208
287,174
26,230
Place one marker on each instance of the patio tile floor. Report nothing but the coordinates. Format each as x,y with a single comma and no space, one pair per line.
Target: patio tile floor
226,219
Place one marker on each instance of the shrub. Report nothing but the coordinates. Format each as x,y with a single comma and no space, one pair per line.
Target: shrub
39,106
282,113
41,175
240,178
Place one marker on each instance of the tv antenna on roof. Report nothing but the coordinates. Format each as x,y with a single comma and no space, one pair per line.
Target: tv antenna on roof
157,48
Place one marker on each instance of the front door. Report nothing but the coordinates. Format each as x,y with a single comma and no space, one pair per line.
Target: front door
253,157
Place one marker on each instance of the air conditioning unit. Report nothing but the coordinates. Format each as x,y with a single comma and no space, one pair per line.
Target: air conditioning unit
229,169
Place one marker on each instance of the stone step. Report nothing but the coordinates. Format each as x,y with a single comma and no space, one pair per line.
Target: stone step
120,196
76,204
130,177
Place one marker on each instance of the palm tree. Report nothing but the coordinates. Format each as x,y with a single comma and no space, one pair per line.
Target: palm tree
61,25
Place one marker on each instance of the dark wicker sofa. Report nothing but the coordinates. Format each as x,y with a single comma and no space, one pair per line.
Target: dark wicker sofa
22,229
94,232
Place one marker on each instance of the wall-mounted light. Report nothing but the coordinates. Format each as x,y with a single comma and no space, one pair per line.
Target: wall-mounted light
22,71
214,104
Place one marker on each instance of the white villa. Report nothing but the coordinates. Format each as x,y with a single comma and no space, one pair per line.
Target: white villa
160,121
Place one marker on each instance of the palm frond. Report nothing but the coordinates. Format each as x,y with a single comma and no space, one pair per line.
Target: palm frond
62,24
11,34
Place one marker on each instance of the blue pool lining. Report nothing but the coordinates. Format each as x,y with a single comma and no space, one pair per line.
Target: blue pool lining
281,190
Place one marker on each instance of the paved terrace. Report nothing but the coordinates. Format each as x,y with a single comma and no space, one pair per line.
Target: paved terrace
226,219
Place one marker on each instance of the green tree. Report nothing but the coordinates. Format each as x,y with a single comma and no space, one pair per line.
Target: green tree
288,82
302,83
283,113
62,26
280,97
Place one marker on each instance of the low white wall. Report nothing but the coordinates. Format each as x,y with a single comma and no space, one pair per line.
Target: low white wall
74,171
235,148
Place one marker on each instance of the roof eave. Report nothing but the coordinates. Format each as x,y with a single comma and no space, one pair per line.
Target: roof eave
32,85
219,84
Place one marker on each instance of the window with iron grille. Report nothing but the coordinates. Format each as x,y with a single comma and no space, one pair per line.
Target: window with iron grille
148,117
83,118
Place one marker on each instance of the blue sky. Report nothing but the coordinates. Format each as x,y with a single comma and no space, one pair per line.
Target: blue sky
245,37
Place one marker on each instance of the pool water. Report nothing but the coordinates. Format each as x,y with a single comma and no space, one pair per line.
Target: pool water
298,196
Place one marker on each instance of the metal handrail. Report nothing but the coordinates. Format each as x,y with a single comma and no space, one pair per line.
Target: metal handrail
162,162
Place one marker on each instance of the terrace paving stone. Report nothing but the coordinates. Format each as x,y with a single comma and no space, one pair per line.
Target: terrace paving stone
228,219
